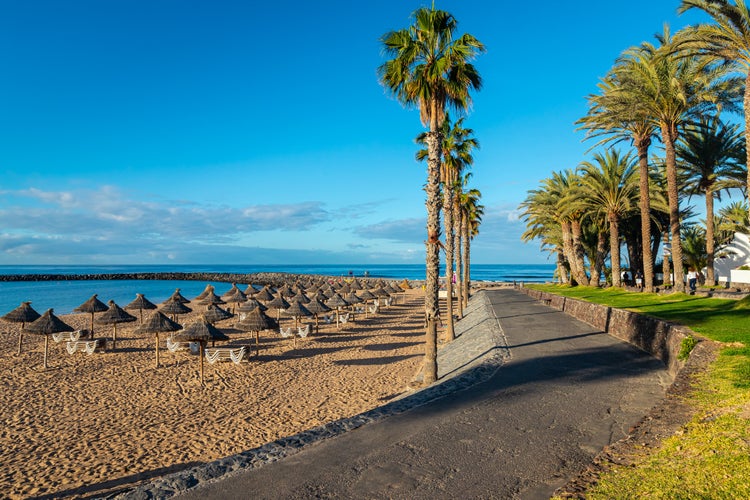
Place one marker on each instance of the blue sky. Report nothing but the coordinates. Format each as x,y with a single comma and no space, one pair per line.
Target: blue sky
147,132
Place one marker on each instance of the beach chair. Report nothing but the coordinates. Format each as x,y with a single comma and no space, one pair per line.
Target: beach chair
304,331
374,308
173,346
66,336
87,346
345,318
328,318
286,332
233,354
359,309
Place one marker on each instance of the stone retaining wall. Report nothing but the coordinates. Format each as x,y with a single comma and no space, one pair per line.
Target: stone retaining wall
659,338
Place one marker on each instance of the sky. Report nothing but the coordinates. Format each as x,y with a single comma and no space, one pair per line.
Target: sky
241,132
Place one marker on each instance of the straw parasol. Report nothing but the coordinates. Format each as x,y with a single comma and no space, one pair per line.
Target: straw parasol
264,295
286,291
278,303
178,297
233,291
316,307
236,297
257,321
157,324
114,315
214,314
405,285
296,310
336,302
210,298
209,289
249,305
200,331
22,314
366,296
174,307
46,325
140,302
250,291
93,305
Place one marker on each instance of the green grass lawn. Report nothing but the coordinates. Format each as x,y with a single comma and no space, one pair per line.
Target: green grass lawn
710,457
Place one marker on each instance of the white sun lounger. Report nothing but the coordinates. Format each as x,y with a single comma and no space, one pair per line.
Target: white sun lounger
374,308
286,332
303,331
345,318
66,336
233,354
87,346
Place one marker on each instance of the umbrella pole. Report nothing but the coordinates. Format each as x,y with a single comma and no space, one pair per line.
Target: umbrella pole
92,326
114,339
46,347
201,355
20,338
257,343
317,327
157,349
141,310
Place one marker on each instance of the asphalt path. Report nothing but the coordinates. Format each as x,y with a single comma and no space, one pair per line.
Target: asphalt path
564,392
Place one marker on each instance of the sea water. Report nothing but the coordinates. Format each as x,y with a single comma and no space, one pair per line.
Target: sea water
65,295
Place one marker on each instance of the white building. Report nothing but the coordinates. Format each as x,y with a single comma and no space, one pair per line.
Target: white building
738,254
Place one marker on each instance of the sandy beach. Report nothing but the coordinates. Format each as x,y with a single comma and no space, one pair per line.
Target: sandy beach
93,424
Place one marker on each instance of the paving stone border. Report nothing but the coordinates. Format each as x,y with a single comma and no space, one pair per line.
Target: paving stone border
479,350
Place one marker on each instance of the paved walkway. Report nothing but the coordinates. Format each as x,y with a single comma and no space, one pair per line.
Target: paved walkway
558,393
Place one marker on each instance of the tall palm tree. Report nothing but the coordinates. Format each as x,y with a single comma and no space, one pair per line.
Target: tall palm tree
615,115
610,187
457,147
726,40
709,161
431,70
671,90
471,217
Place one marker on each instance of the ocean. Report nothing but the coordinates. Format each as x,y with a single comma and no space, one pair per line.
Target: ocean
66,295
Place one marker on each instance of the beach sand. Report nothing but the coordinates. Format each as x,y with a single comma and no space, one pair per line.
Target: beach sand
94,424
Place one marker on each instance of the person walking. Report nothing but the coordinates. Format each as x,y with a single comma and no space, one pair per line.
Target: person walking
692,277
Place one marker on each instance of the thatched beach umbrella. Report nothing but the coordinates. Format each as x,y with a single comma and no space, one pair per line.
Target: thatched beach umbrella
233,290
279,304
174,307
297,310
178,297
214,314
264,295
114,315
257,321
250,291
366,297
210,298
404,285
200,331
316,307
158,323
46,325
336,302
22,314
251,304
236,297
209,289
140,302
93,305
285,291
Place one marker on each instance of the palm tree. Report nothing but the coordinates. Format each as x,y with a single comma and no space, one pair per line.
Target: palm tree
471,217
709,162
610,187
670,90
614,115
727,40
457,147
430,69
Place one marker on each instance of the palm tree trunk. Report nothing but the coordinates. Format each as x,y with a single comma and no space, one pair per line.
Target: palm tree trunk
562,270
432,260
642,146
578,253
450,334
665,263
710,278
601,254
457,255
568,250
614,249
669,136
465,258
